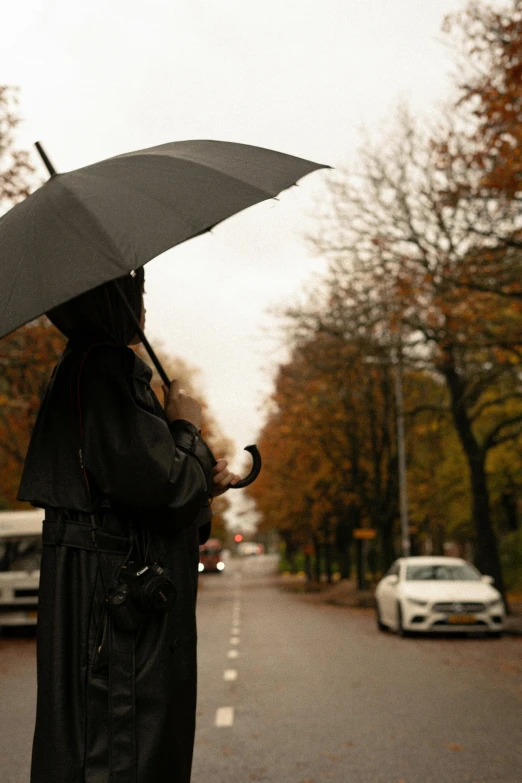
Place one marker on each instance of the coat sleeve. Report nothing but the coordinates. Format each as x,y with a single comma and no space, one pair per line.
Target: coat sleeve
136,458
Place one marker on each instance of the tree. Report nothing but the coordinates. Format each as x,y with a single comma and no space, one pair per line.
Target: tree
489,40
398,248
330,447
27,357
16,171
488,142
438,490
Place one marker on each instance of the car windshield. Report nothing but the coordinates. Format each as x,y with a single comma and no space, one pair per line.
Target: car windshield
460,572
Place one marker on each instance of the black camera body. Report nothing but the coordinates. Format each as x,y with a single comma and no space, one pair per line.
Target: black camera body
140,591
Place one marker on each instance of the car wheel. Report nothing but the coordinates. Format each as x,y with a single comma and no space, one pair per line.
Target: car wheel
494,635
380,624
400,628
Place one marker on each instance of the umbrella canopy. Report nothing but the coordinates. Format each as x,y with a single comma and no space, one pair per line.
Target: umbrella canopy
95,224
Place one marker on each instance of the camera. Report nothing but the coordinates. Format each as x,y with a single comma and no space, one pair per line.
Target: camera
140,591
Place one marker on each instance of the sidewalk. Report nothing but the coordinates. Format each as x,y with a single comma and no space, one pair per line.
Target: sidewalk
345,593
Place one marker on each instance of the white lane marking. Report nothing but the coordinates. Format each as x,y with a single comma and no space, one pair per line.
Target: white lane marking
224,717
232,654
229,675
234,640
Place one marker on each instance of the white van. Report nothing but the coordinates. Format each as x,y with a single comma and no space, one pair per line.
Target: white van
20,553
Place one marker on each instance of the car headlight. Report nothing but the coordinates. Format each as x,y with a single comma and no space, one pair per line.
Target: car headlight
497,603
416,602
201,567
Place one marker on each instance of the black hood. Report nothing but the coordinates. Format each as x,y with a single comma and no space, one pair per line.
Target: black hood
100,315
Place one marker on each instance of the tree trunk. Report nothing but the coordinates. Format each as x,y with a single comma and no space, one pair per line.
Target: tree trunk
361,579
343,541
344,558
486,547
388,553
328,561
487,557
437,538
308,567
317,564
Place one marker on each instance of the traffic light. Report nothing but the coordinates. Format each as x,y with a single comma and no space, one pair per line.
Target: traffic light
238,538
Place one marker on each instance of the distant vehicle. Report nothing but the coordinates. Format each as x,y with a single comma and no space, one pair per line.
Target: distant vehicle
247,548
20,553
423,594
210,556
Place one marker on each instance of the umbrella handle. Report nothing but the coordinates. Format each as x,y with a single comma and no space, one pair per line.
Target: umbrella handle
254,473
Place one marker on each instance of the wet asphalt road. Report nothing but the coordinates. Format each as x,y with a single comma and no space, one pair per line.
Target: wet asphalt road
322,697
292,691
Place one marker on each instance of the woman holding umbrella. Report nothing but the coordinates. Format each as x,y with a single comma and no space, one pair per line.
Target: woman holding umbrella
126,486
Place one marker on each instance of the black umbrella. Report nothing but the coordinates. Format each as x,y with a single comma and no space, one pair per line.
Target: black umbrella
95,224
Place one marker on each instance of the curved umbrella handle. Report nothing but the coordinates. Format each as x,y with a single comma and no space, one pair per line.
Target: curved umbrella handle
254,473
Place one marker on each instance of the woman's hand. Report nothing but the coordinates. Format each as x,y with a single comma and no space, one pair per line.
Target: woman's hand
179,405
222,479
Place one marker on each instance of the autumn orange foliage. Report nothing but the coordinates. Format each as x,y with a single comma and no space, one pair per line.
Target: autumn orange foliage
27,358
490,40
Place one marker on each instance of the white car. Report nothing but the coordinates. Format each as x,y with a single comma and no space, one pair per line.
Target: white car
438,594
20,550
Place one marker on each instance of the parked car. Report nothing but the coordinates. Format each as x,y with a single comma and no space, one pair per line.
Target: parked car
250,549
210,556
20,552
425,594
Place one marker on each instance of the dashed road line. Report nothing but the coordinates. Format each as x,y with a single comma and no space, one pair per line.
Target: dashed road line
233,654
224,717
230,675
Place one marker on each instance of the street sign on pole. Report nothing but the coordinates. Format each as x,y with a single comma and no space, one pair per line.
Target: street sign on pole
364,532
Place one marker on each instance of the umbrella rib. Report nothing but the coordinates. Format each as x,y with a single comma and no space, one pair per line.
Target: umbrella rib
86,238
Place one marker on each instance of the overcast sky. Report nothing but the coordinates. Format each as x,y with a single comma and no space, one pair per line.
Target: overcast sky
102,77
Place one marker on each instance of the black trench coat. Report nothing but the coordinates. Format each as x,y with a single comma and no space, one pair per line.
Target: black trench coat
112,706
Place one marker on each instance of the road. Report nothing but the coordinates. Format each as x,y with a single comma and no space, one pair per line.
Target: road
292,691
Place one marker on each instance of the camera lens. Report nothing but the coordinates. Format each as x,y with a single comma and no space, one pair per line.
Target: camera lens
158,594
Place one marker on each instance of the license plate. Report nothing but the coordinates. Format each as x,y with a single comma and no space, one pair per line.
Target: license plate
462,619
